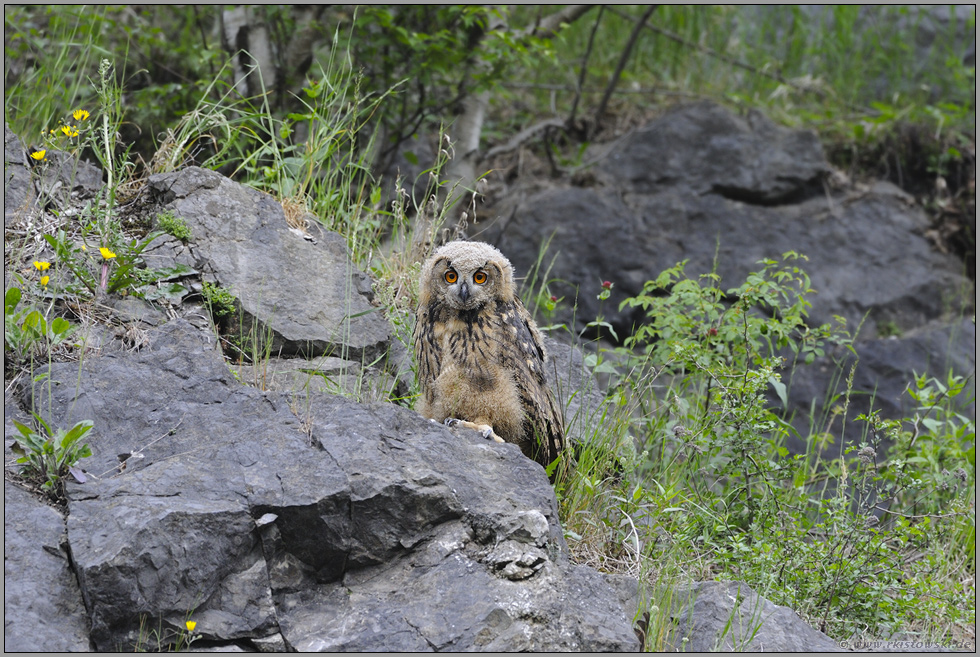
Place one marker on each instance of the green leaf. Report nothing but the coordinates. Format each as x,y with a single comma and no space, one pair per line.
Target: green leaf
23,428
11,299
60,325
76,432
780,389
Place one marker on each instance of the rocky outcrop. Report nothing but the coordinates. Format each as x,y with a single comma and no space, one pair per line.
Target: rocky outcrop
334,524
723,192
299,289
731,617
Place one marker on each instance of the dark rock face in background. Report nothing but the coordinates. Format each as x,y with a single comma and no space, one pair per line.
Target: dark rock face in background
723,192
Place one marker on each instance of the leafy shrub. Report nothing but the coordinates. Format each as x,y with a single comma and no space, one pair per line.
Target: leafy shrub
687,475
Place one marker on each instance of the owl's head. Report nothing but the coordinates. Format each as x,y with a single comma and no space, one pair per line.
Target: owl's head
467,276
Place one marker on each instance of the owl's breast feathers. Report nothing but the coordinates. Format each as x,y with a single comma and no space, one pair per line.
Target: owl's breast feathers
503,335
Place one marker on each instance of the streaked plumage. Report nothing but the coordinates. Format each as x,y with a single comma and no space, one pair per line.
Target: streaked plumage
480,356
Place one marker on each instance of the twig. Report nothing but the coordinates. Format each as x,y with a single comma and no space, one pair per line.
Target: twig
551,24
664,91
138,452
623,58
584,68
517,140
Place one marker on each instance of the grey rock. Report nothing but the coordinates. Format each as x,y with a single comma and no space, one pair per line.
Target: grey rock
707,149
136,311
324,374
421,611
730,616
885,369
42,604
18,187
576,389
65,176
666,200
271,643
263,512
303,290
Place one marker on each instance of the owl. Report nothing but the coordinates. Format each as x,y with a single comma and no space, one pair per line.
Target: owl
481,359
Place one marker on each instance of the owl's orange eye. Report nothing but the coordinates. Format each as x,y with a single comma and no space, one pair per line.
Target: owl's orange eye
450,276
480,278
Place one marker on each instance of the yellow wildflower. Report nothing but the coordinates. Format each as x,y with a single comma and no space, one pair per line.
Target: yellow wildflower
69,130
38,155
40,265
106,253
80,114
44,280
84,248
190,625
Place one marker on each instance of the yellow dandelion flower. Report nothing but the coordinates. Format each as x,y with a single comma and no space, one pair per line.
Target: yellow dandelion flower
38,155
44,280
41,265
69,130
106,253
190,625
80,114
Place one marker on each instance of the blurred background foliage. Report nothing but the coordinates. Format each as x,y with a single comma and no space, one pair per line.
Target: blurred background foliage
861,76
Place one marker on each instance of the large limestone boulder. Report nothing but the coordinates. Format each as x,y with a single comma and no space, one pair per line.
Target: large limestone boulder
331,524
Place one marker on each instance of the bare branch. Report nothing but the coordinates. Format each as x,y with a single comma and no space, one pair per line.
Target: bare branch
585,65
623,58
551,24
524,135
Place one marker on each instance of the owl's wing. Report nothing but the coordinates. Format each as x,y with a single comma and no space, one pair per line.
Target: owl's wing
427,355
542,418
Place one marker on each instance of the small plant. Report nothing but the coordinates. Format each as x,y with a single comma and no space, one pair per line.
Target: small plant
889,329
107,269
166,640
47,456
220,302
174,225
26,331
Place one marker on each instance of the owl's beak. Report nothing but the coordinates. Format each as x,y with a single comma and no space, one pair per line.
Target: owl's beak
464,292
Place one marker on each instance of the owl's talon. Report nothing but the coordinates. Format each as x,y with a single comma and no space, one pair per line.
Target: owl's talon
489,434
485,429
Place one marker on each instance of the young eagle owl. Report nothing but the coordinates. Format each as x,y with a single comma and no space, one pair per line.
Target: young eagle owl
480,357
